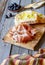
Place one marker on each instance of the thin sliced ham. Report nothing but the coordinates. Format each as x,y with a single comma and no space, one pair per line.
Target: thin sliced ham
23,33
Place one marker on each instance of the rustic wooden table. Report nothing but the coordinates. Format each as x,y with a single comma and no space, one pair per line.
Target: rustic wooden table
5,24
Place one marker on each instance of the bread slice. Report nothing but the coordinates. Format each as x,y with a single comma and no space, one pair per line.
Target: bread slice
29,16
40,53
5,60
29,45
42,50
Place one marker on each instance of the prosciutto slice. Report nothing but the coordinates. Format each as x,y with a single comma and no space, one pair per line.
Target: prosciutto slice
23,33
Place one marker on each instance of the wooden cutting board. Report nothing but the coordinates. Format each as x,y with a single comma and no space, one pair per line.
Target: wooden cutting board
30,45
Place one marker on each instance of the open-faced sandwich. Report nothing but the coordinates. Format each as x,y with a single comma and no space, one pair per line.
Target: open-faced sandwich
29,16
24,35
25,59
40,54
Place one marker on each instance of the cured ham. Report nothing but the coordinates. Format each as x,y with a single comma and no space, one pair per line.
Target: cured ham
23,33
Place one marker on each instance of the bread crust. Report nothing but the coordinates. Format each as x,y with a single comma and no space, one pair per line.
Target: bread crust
37,19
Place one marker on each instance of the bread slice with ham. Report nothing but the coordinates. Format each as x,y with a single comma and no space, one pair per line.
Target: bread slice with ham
42,50
40,53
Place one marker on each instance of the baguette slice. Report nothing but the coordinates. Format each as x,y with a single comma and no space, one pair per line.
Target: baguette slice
29,45
42,50
30,17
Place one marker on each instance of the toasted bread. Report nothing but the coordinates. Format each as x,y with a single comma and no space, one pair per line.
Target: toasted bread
5,60
42,50
30,17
